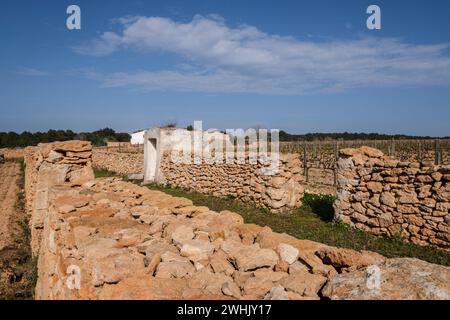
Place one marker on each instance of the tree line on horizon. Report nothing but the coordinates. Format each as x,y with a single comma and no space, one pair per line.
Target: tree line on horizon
102,136
348,136
26,138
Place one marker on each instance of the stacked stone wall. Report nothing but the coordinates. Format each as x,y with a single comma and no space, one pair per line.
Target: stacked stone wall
48,165
123,163
382,195
12,153
109,239
246,182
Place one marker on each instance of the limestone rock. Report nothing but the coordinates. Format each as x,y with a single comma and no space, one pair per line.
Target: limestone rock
275,194
197,250
208,282
230,288
400,279
282,266
269,274
304,284
219,263
297,267
154,246
66,208
250,257
115,267
145,288
152,264
349,152
137,211
375,187
388,199
345,258
258,287
288,253
174,269
277,293
372,152
182,235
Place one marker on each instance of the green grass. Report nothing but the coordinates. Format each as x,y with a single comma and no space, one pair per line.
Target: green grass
20,203
313,221
104,173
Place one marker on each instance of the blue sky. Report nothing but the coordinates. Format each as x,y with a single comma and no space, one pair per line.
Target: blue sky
300,66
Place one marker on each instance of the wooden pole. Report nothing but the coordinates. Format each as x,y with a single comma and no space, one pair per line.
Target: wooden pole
393,147
336,158
437,153
419,155
305,162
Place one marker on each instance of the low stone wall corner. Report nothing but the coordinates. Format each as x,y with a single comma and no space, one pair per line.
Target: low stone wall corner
382,195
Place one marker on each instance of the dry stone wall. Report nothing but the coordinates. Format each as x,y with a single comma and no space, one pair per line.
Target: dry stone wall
384,196
123,163
48,165
110,239
122,241
245,182
12,153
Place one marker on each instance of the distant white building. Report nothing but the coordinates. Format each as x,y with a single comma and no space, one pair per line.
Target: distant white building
137,137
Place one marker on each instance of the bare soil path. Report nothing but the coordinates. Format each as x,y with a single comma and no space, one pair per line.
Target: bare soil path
17,268
9,228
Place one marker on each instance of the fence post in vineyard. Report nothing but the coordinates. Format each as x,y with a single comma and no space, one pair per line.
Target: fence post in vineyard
305,162
336,157
419,154
313,153
437,153
393,148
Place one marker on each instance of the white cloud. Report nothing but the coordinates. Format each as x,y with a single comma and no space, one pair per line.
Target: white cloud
31,72
245,59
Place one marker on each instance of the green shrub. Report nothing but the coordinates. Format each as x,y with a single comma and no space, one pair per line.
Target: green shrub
320,204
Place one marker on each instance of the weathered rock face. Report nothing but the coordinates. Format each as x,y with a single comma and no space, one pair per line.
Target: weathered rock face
399,279
246,182
109,239
382,195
